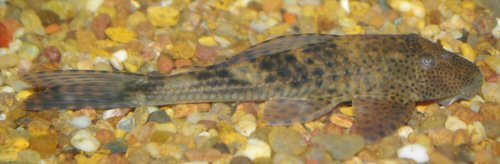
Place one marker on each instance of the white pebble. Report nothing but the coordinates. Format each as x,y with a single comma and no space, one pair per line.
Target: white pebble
15,44
496,31
405,131
345,5
120,55
81,121
255,148
454,123
111,113
93,5
3,116
7,89
4,51
416,152
258,25
85,141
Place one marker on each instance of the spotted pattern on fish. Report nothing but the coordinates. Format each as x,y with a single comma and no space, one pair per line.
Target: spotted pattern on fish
301,77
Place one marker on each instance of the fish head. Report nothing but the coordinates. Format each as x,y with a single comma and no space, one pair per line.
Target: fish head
445,75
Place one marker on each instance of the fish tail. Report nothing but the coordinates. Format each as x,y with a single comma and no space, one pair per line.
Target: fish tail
73,89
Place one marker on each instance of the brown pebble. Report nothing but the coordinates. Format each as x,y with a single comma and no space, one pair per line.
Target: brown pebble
206,54
467,115
48,17
221,147
52,53
105,136
208,123
149,52
99,24
165,64
87,112
490,110
484,23
145,30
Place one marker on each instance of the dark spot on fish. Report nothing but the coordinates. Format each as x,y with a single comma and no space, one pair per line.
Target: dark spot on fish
319,83
332,45
334,77
266,65
329,63
237,82
290,58
223,73
203,75
296,83
270,79
318,72
284,72
331,91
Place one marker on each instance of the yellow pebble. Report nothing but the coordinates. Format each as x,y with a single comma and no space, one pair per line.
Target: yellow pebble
468,52
23,95
105,9
183,50
163,16
119,133
100,52
341,120
136,18
354,30
207,41
232,137
309,10
347,110
19,143
95,158
120,34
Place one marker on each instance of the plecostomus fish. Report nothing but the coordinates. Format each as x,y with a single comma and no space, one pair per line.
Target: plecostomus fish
302,77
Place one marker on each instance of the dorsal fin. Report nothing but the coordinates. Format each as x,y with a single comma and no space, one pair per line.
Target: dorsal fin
280,44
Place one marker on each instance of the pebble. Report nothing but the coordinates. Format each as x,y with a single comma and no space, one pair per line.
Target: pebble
81,121
496,31
93,5
99,24
240,160
31,22
159,116
415,7
206,54
112,113
255,148
476,132
272,5
45,145
454,123
120,34
163,16
5,36
341,120
118,146
49,17
284,140
492,128
85,141
405,131
286,159
9,60
105,136
244,123
52,53
165,64
341,147
29,156
126,124
182,63
416,152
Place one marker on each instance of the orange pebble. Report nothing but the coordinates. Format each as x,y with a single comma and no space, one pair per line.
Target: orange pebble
53,28
290,18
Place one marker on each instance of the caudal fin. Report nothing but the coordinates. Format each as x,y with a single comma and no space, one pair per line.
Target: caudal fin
72,89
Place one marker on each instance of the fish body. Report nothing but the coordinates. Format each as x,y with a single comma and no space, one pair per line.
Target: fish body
302,77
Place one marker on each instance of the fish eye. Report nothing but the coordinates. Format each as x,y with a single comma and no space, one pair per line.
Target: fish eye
427,61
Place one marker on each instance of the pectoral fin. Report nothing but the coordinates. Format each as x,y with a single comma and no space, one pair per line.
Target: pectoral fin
285,111
378,117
